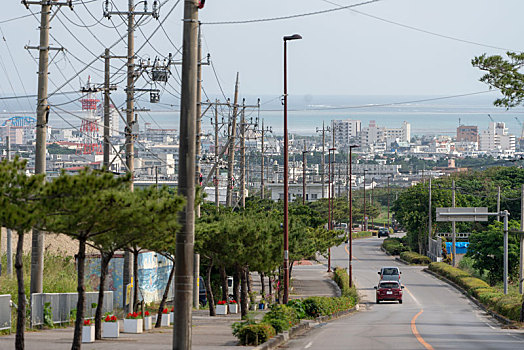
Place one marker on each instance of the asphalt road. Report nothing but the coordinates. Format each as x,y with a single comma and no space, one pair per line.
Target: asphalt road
433,315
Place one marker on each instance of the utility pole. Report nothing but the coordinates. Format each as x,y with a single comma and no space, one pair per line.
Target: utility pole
262,162
131,128
9,247
243,155
42,113
372,201
322,159
521,269
388,206
330,220
231,153
430,224
453,228
304,152
498,202
217,198
364,217
186,180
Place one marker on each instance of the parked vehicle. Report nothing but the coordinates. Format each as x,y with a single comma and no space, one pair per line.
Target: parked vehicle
383,232
202,292
389,291
390,273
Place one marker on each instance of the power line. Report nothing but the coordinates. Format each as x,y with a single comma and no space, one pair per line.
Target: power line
292,16
15,18
421,30
386,104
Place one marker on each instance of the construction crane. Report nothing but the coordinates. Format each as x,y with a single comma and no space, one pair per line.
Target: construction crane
521,128
489,116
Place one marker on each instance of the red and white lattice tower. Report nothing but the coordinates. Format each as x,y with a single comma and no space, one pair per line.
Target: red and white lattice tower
91,127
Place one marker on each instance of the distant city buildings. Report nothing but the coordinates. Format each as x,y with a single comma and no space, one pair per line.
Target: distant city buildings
468,133
495,139
346,130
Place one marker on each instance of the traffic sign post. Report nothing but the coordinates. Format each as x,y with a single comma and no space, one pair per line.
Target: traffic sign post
477,214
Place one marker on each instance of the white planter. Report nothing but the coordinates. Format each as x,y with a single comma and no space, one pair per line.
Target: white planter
148,323
171,317
110,329
166,320
88,334
233,308
135,325
221,309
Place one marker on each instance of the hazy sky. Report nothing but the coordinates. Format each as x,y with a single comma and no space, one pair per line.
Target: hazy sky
342,53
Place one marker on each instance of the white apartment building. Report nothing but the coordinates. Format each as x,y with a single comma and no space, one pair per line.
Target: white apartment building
373,135
345,130
496,139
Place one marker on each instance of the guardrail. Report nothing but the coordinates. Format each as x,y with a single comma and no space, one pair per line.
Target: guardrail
62,306
5,311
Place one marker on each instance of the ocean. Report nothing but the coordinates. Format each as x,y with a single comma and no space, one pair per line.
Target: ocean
428,115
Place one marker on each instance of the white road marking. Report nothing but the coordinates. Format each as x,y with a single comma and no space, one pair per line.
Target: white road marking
308,345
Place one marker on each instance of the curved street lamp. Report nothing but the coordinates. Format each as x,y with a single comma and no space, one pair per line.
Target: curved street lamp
286,166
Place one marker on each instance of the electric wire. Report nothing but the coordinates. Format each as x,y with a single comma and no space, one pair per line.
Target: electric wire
423,30
272,19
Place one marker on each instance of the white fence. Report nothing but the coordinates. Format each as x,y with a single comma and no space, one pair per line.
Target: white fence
62,306
5,311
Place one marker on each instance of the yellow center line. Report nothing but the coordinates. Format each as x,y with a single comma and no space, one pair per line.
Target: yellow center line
417,334
347,251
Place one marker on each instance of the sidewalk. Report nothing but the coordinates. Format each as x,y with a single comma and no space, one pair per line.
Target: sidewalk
209,333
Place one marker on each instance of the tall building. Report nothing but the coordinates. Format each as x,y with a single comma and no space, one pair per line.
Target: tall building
467,133
496,138
345,130
375,135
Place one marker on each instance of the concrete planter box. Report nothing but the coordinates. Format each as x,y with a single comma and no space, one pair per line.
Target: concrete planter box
233,308
88,334
133,325
148,323
166,318
221,309
110,329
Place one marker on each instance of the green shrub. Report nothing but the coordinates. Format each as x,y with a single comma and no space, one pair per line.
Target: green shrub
341,278
415,258
324,306
394,246
298,305
506,305
254,334
281,317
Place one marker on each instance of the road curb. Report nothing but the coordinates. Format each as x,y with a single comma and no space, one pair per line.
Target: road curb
304,327
495,315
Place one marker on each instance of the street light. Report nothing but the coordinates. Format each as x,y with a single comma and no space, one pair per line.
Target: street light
350,267
286,185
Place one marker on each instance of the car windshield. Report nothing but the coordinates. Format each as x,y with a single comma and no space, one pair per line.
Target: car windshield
390,271
389,285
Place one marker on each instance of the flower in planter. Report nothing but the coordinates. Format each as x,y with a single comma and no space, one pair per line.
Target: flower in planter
110,318
172,309
165,311
87,322
133,315
146,313
232,301
222,302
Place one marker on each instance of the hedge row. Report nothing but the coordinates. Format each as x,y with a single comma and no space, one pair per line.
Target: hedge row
506,305
415,258
282,317
361,234
394,246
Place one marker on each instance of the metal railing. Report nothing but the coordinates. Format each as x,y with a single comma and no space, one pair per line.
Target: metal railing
5,311
62,306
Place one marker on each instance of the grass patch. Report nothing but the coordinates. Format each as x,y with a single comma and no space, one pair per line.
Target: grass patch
415,258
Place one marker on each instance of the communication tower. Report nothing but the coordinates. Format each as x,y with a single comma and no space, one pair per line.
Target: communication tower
90,128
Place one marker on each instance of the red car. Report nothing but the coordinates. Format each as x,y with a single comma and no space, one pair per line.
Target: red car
389,291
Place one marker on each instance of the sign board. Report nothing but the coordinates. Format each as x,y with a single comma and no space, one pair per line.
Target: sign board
462,214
